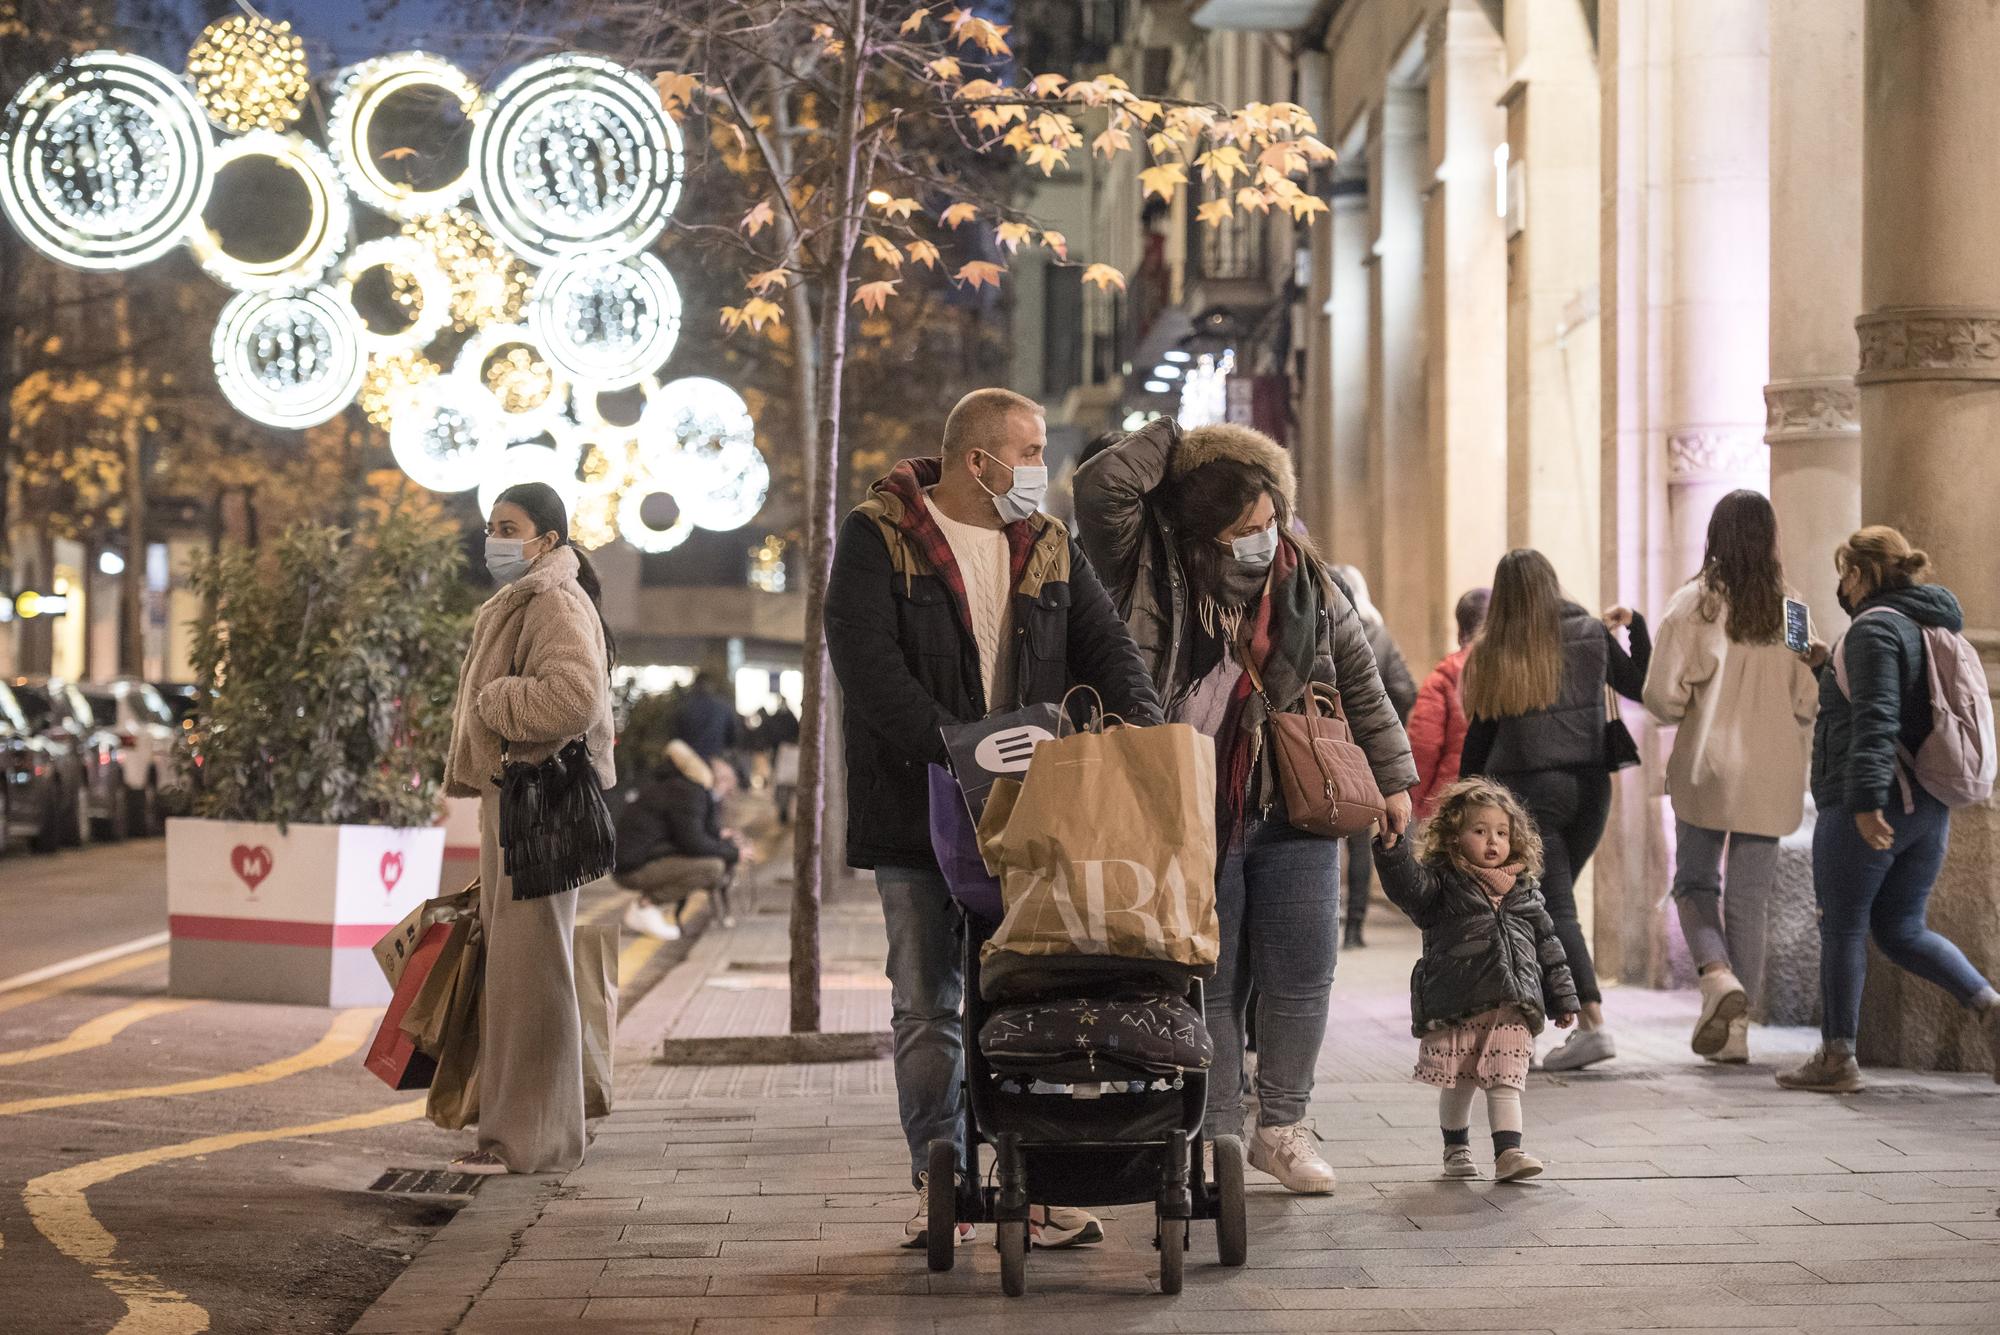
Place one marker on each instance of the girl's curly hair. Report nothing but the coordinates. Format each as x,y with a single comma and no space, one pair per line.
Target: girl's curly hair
1438,840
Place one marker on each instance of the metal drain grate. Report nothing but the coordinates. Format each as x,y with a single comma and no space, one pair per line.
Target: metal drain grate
427,1182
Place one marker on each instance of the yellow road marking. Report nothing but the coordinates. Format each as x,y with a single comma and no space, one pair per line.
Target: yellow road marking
57,1204
94,1034
69,982
633,958
350,1030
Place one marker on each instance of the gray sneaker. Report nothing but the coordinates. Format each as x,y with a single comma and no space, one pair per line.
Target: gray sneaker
1824,1072
1458,1161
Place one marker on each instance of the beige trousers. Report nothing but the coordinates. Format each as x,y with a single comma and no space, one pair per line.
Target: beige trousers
531,1036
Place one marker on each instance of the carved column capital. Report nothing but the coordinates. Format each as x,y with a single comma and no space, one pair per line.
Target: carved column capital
1717,454
1929,343
1821,408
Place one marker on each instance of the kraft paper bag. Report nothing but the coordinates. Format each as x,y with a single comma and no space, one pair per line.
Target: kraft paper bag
1108,848
393,951
597,1001
393,1056
454,1100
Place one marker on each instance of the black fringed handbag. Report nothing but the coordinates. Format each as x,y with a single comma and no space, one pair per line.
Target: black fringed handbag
555,830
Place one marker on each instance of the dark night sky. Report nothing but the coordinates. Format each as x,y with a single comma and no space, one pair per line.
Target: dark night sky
482,37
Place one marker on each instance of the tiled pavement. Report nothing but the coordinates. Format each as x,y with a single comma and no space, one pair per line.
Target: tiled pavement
1681,1196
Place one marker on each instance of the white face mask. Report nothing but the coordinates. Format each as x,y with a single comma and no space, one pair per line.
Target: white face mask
504,559
1259,549
1023,496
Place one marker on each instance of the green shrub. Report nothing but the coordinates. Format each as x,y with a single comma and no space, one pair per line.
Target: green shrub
327,673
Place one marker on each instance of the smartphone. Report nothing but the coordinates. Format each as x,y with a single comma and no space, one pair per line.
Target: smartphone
1798,631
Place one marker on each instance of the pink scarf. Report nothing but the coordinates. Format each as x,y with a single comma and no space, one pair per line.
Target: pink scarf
1496,881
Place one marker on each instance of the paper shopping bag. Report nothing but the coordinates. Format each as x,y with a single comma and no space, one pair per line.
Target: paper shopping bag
597,1002
997,747
393,1056
1108,848
956,844
393,951
454,1100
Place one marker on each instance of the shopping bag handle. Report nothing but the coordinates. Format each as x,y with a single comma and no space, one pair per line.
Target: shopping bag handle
1098,715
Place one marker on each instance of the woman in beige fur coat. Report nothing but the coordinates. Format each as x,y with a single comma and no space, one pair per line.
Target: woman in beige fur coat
536,677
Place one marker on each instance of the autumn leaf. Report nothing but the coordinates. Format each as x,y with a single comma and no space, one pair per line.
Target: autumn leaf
900,207
764,281
1020,139
1213,212
1304,206
979,273
675,90
871,297
1223,164
1046,156
1316,150
985,34
1165,144
883,249
1047,85
975,90
924,253
1144,112
823,34
756,313
915,20
945,67
1105,277
1284,157
1057,242
757,219
1097,92
1012,235
958,214
1163,179
1111,143
1253,199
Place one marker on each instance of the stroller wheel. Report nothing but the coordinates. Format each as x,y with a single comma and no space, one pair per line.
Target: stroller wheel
1013,1257
1232,1227
1173,1253
941,1196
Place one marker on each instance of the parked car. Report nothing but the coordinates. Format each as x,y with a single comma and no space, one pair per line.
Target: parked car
87,754
32,804
147,732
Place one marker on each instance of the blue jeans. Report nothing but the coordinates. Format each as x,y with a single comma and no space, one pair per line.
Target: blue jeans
1862,891
1278,897
926,991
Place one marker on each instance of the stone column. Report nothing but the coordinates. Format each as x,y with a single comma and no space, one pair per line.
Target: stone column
1930,411
1399,567
1687,217
1465,279
1551,104
1349,232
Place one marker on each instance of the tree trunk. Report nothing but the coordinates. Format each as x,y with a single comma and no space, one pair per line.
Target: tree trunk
810,827
132,583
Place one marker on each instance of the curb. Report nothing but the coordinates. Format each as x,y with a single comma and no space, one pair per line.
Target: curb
457,1265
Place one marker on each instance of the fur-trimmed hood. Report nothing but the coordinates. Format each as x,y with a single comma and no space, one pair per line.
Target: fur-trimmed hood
1241,444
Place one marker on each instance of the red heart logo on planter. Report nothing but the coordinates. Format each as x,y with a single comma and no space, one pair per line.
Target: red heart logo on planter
252,865
392,871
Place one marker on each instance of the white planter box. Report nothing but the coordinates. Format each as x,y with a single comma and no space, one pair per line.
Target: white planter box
255,915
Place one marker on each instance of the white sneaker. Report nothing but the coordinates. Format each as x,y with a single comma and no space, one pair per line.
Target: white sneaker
649,919
915,1231
1458,1161
1583,1048
1063,1226
1723,1001
1735,1050
1291,1154
1515,1166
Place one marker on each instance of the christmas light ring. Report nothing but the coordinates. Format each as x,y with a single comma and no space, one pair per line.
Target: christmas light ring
249,74
608,326
320,241
289,359
632,525
516,420
526,463
489,284
590,410
444,438
576,158
736,493
108,160
433,289
363,91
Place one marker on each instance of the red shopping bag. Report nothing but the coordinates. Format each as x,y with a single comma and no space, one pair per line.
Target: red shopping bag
393,1056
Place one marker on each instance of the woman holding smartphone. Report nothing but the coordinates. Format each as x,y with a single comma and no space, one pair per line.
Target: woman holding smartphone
1737,680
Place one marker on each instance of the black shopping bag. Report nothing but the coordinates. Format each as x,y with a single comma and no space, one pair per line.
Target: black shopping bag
997,747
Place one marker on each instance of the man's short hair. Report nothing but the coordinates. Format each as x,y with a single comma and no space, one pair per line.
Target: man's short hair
975,416
1471,611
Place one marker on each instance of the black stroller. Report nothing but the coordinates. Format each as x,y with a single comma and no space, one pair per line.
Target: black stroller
1101,1123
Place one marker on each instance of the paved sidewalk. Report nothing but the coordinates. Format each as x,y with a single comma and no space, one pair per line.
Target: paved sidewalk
1680,1195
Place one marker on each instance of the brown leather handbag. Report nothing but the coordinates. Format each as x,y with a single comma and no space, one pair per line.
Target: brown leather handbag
1329,788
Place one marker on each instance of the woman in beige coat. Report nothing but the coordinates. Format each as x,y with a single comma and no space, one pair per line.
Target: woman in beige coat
1745,706
535,678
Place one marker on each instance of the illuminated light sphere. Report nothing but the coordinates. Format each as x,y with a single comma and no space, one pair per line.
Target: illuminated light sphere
289,359
699,443
249,74
733,497
526,463
607,466
389,386
576,159
311,248
443,437
375,173
594,522
607,326
428,291
107,161
489,284
647,537
525,396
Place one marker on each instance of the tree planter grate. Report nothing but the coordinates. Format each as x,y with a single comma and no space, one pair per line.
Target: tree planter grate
427,1182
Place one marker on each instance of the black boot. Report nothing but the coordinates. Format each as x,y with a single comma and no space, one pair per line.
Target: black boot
1352,939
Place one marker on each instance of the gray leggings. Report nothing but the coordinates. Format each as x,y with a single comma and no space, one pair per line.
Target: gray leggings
1734,939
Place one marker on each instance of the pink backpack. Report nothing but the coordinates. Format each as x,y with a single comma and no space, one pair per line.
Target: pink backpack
1956,762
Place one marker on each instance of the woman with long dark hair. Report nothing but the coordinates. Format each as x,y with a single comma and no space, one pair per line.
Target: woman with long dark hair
1193,537
1535,689
536,677
1744,705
